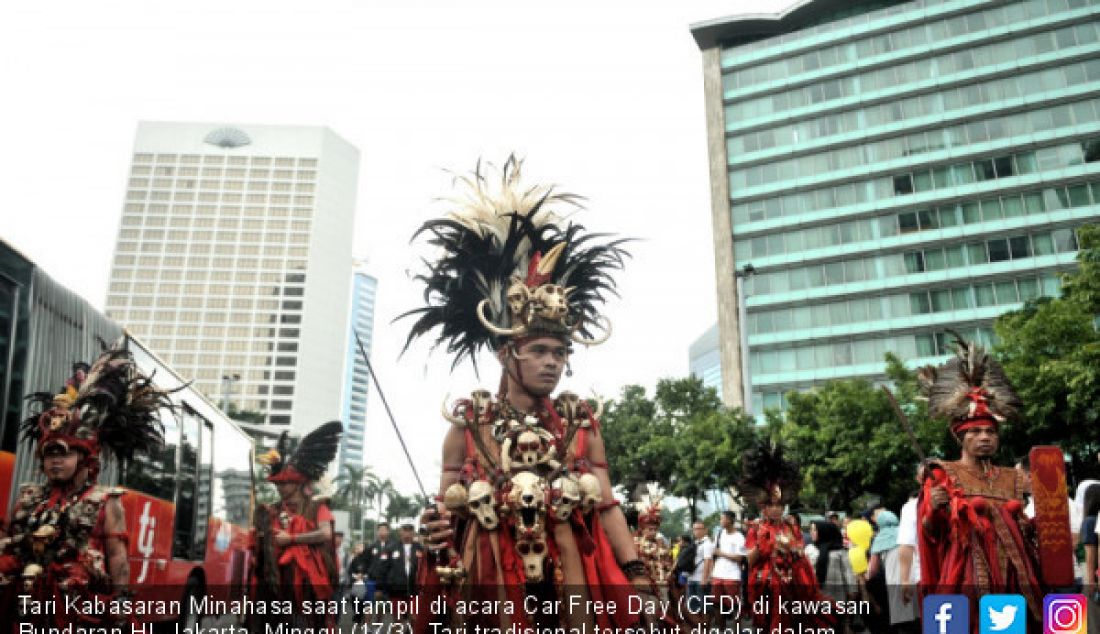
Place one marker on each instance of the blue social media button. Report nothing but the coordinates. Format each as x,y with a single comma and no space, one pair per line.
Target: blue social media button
1002,614
946,614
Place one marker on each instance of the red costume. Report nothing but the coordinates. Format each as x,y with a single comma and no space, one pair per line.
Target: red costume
60,532
981,542
525,501
297,572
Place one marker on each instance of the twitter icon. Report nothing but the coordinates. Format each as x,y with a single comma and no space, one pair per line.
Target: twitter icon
1003,614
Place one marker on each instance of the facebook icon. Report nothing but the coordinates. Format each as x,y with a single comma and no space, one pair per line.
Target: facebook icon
946,614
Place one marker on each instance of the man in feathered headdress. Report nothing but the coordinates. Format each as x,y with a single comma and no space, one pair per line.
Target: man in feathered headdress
652,550
973,535
68,537
778,568
525,497
295,555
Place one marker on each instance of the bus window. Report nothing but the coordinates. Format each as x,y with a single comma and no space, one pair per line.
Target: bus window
183,542
11,386
202,501
232,491
155,474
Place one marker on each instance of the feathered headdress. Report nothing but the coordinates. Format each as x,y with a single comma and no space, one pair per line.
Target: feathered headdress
768,476
971,389
109,405
649,508
511,267
311,458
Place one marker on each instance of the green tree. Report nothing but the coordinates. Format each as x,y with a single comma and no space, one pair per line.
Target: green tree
1050,349
351,493
399,507
683,438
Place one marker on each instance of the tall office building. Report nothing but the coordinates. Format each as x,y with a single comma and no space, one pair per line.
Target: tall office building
232,263
704,359
364,288
891,170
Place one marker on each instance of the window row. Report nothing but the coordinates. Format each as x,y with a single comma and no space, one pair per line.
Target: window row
991,209
204,235
219,249
139,182
218,159
881,267
964,62
200,262
175,288
911,108
233,223
834,354
154,212
223,271
824,198
213,197
894,42
865,309
216,173
952,137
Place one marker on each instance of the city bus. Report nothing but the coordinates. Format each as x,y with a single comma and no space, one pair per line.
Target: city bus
188,506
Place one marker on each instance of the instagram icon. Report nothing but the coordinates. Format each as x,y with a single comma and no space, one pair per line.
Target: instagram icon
1064,614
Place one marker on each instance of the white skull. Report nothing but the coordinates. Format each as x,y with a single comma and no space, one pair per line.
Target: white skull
532,548
568,498
568,404
528,445
528,499
480,504
551,301
518,295
455,498
591,495
481,400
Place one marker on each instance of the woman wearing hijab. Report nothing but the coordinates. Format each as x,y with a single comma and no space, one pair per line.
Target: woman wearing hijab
832,567
886,554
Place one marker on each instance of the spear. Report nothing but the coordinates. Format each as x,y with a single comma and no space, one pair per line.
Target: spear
905,424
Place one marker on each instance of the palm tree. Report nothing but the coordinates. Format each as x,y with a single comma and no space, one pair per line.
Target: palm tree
377,490
401,507
352,490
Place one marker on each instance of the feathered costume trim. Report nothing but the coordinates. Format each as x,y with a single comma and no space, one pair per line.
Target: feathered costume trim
109,405
768,476
310,459
971,389
511,267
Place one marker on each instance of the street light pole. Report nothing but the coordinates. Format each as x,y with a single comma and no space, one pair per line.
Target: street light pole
743,330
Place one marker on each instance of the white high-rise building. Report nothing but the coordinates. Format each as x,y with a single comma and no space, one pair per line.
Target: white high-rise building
232,263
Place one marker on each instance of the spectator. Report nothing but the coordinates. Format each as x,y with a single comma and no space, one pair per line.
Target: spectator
341,562
832,567
729,553
1090,507
908,555
885,554
398,573
702,567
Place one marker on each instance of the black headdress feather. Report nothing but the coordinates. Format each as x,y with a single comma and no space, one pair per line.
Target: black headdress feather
949,388
489,241
312,456
764,469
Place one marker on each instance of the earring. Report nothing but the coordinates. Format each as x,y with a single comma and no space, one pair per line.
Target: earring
568,369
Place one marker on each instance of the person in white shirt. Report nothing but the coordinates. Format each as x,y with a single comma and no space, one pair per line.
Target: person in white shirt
704,565
729,553
908,555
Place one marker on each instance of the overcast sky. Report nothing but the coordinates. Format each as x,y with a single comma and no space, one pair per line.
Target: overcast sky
603,98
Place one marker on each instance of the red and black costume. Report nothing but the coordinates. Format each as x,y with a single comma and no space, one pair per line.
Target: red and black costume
779,571
60,533
297,572
526,504
981,542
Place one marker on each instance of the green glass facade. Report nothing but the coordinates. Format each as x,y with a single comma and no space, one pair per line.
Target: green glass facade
897,172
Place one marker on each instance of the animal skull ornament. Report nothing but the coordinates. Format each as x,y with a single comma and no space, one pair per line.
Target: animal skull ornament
568,497
480,505
30,576
532,549
455,498
551,301
527,500
481,399
591,495
518,297
570,406
528,447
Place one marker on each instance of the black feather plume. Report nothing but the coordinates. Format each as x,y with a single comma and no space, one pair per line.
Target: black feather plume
316,450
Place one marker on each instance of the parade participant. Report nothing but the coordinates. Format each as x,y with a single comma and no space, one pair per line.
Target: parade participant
973,536
295,558
652,550
69,537
525,503
778,569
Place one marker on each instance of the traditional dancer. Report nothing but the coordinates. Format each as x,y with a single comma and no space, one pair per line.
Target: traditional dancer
68,537
778,568
974,538
525,499
295,558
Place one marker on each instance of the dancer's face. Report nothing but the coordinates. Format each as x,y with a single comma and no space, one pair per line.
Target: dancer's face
539,364
981,442
60,464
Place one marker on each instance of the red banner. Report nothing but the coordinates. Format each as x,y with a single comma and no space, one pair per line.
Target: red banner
1049,490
